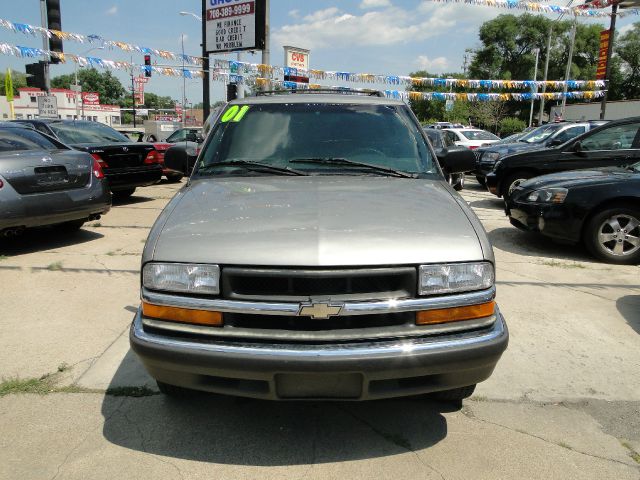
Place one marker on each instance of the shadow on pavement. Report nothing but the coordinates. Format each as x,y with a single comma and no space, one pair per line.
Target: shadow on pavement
513,240
133,200
238,431
489,204
46,238
629,308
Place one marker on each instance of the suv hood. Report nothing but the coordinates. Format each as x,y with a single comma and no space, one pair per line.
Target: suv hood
316,221
508,148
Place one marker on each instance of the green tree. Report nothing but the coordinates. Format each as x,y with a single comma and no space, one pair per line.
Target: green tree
627,50
105,84
151,100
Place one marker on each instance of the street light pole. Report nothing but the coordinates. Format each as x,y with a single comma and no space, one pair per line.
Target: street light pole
184,84
266,53
535,77
569,63
546,73
206,78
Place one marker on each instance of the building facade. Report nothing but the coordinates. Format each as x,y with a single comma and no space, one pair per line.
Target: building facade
71,106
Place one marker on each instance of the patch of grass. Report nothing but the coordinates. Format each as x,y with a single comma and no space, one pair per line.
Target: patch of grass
96,225
40,386
554,263
130,392
632,453
55,267
3,257
63,367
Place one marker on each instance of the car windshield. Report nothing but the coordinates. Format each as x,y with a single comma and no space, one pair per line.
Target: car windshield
540,134
24,139
478,135
87,132
317,139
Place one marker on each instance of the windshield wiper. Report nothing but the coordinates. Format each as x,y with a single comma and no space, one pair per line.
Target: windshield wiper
255,166
352,163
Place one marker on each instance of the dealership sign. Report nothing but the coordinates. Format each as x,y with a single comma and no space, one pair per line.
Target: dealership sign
601,71
90,98
234,25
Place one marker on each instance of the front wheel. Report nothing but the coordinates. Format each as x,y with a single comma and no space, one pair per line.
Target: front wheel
613,235
174,178
481,180
512,181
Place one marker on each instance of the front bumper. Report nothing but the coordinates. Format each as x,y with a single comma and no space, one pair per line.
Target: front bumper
555,221
339,371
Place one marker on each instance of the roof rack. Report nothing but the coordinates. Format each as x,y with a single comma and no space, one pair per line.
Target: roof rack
338,91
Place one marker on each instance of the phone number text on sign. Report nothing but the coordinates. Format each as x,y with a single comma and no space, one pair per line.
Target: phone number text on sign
248,8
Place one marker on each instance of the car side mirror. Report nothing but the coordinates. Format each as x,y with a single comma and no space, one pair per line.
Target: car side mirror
458,161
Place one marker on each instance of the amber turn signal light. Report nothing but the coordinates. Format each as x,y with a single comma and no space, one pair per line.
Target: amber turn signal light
455,314
182,315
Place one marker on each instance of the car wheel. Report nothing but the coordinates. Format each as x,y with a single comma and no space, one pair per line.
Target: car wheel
455,394
174,178
613,235
122,194
174,390
69,227
512,181
459,185
481,180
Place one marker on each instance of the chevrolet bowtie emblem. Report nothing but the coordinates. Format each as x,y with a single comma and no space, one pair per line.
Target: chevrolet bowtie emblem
319,310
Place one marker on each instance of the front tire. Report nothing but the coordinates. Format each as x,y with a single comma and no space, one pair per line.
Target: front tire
512,181
174,178
481,180
613,235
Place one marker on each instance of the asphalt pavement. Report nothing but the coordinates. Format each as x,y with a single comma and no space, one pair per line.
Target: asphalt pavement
563,403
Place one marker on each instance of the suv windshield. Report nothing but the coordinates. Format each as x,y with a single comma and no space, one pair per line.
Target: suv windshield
87,132
317,138
540,134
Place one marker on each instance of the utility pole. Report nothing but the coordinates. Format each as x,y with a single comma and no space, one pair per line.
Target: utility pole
45,46
612,34
546,73
133,95
206,77
266,53
535,77
184,86
569,63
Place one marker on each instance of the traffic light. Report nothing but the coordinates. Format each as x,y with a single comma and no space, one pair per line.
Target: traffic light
232,91
54,22
147,65
35,75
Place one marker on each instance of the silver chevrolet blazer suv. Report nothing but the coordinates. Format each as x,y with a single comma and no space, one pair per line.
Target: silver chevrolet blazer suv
317,252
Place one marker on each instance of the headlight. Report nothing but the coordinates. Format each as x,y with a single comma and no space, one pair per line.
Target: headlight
491,156
455,277
181,277
548,195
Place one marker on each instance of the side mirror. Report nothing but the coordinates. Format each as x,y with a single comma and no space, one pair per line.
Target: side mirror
458,161
180,158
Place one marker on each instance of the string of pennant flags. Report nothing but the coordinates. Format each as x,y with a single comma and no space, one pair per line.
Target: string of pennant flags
97,39
430,96
400,80
579,11
236,72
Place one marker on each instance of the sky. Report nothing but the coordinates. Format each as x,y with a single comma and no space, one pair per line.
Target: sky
390,37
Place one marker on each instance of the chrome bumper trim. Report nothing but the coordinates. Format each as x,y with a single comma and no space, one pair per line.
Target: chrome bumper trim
396,347
292,309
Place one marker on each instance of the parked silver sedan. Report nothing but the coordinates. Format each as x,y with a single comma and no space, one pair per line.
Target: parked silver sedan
44,182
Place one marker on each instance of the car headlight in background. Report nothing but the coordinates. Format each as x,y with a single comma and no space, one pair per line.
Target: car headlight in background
182,278
490,157
455,277
548,195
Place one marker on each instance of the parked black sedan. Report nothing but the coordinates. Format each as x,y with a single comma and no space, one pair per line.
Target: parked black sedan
600,208
43,182
614,144
126,164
